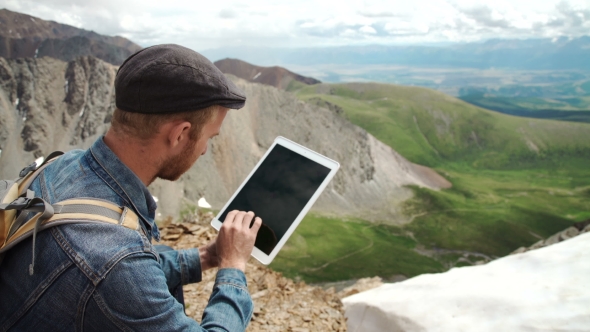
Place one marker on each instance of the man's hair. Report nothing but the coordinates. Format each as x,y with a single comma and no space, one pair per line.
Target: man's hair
145,126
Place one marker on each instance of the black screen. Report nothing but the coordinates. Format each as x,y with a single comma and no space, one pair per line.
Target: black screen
277,191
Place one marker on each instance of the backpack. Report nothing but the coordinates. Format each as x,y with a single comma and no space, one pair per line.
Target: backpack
16,201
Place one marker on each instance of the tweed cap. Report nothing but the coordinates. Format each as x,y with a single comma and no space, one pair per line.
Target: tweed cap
170,78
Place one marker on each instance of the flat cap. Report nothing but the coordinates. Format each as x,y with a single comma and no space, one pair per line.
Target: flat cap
170,78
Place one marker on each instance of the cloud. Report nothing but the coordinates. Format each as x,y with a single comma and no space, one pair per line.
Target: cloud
308,23
227,13
368,29
379,14
485,16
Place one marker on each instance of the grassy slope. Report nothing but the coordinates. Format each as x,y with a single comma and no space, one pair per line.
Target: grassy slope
326,249
514,180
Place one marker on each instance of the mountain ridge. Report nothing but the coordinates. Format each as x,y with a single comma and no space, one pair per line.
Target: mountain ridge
276,76
23,36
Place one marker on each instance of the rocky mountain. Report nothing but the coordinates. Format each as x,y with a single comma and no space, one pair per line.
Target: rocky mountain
278,77
23,36
48,104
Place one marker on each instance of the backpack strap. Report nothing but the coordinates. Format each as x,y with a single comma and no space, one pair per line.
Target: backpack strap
28,174
71,211
16,196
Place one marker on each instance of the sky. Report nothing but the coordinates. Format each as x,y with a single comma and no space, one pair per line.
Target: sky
207,25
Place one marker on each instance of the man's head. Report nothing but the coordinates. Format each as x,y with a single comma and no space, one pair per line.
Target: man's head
185,135
170,101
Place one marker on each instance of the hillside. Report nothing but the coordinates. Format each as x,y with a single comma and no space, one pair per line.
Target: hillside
24,36
278,77
433,128
515,180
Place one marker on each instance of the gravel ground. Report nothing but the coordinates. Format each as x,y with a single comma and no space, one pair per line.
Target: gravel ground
280,304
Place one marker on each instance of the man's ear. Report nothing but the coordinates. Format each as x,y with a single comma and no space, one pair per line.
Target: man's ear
179,133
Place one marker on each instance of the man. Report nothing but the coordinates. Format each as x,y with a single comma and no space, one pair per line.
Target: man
102,277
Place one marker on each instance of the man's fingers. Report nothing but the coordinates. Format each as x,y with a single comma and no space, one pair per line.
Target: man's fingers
247,219
239,219
256,225
230,217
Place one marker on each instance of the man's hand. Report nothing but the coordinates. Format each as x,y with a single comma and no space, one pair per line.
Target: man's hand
236,239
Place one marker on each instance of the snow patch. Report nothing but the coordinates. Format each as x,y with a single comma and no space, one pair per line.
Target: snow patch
66,86
203,203
543,289
82,111
256,76
39,161
16,102
36,52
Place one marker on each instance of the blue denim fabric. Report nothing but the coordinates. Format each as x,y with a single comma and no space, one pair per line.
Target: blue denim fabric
103,277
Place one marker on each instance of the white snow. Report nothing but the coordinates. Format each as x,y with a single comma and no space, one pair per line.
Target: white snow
36,52
256,76
203,203
82,111
39,161
16,102
541,290
67,86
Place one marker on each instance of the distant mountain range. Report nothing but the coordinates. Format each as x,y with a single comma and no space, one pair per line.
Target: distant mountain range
24,36
549,54
278,77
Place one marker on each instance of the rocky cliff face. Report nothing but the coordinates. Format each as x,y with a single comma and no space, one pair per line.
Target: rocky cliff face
47,104
27,36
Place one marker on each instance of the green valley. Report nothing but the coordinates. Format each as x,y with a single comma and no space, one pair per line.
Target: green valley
515,180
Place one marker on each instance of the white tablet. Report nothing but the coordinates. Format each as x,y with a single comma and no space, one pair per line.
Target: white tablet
280,190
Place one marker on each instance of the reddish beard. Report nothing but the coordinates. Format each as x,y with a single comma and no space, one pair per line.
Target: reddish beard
177,165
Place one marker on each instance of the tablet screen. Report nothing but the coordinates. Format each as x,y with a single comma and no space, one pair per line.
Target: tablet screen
277,192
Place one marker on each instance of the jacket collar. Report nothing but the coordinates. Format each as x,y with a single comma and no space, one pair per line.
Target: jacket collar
125,183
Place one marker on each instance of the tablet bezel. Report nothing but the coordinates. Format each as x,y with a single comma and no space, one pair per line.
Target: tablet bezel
310,154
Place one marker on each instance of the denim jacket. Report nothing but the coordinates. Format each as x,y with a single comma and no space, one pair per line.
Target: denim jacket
103,277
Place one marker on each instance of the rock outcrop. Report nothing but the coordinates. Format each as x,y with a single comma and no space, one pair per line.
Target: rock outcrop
47,104
23,36
575,230
540,290
278,77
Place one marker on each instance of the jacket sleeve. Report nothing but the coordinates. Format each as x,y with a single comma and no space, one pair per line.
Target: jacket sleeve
135,297
181,267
